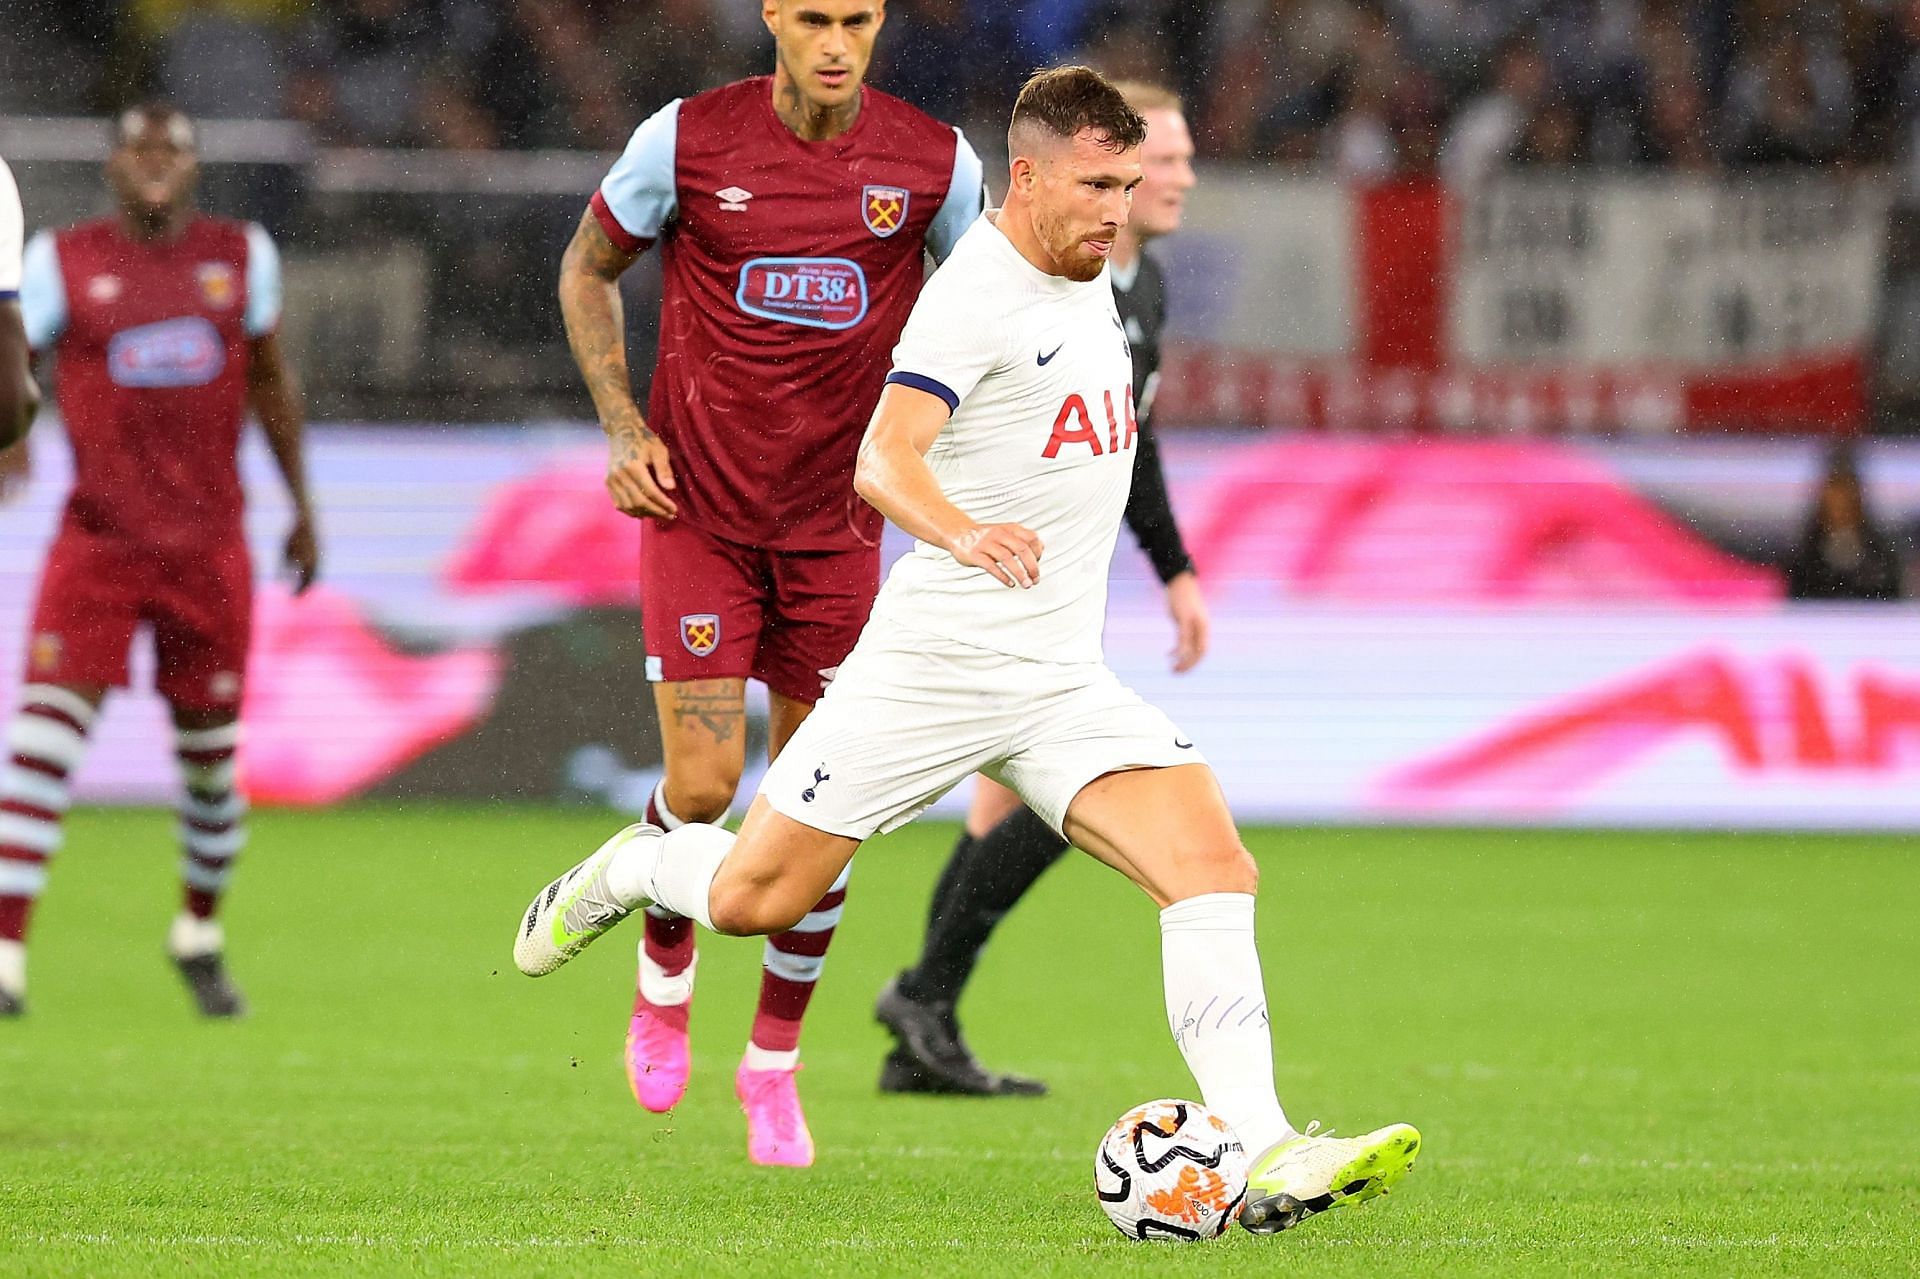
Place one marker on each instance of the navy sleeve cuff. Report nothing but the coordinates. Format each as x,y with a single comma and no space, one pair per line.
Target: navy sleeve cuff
932,386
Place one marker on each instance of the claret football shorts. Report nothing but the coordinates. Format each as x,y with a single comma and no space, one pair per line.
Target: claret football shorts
714,609
96,592
909,716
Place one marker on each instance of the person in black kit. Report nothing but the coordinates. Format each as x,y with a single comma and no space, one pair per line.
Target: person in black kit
1844,554
1006,846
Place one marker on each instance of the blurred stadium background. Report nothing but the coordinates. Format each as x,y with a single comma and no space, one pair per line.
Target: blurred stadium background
1514,339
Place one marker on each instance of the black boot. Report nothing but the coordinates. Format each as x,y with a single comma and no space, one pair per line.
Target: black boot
931,1057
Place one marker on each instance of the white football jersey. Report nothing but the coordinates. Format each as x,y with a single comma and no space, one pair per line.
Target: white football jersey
10,235
1038,375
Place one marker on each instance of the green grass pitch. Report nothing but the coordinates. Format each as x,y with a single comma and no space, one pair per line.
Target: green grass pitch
1629,1053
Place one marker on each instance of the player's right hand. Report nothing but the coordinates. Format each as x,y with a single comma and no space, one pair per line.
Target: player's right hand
1011,552
639,472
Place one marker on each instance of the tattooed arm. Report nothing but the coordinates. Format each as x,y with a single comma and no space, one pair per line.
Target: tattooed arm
639,472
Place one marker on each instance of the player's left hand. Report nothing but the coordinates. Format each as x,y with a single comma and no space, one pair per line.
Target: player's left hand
302,555
1191,624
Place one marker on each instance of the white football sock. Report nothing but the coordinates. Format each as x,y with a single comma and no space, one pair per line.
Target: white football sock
13,967
191,937
669,821
674,870
630,873
759,1058
1217,1010
662,988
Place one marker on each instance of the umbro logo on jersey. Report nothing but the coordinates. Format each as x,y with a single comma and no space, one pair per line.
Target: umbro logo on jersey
734,199
1044,359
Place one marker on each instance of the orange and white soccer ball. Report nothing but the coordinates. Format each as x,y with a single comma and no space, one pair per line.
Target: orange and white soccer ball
1170,1170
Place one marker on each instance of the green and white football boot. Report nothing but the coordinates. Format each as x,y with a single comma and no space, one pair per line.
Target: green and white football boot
1313,1173
574,909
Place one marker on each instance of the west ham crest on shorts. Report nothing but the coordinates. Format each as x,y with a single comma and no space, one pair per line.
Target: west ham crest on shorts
700,632
883,209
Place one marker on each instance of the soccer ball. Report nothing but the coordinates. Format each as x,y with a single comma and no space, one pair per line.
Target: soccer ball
1170,1170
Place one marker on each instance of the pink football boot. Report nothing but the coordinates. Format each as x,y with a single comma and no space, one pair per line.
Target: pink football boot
777,1135
657,1059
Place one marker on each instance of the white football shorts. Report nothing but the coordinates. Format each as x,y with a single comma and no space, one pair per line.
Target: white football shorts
909,716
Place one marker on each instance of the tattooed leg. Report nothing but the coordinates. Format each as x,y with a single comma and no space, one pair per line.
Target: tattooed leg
703,729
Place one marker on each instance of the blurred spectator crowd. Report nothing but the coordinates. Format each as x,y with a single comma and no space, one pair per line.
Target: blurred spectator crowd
1357,87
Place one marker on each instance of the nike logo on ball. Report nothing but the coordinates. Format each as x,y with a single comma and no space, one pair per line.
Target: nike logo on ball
1049,355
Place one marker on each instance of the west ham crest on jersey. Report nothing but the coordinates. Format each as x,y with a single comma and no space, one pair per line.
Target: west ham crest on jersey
216,283
700,632
883,209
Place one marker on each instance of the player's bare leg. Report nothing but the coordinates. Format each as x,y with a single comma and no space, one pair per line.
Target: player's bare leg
766,880
1169,831
46,741
976,888
704,729
212,833
760,881
703,733
991,804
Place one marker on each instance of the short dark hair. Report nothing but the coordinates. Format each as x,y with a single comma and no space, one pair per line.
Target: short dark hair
1065,100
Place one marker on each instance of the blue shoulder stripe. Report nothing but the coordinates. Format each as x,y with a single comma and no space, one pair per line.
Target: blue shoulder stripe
932,386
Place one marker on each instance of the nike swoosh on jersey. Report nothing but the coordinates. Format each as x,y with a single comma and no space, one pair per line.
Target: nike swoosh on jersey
1042,360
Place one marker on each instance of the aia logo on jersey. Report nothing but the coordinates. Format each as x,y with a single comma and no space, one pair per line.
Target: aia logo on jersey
217,284
1074,425
182,352
700,632
820,293
884,209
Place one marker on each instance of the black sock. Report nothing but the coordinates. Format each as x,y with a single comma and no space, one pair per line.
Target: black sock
986,875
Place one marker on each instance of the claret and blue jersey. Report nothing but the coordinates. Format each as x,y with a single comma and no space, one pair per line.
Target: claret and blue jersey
149,341
790,268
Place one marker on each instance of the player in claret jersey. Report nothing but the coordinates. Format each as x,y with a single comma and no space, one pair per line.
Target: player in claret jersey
1004,443
160,322
792,213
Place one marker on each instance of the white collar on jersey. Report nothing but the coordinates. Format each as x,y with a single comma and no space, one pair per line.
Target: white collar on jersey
1124,276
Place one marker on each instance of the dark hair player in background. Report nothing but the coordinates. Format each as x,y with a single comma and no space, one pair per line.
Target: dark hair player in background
161,322
792,213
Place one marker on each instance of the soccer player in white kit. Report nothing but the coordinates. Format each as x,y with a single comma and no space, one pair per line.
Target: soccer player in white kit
19,397
1003,441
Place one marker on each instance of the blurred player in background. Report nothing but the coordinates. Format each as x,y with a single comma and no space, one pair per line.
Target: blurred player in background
792,213
19,397
161,322
1003,443
1006,846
